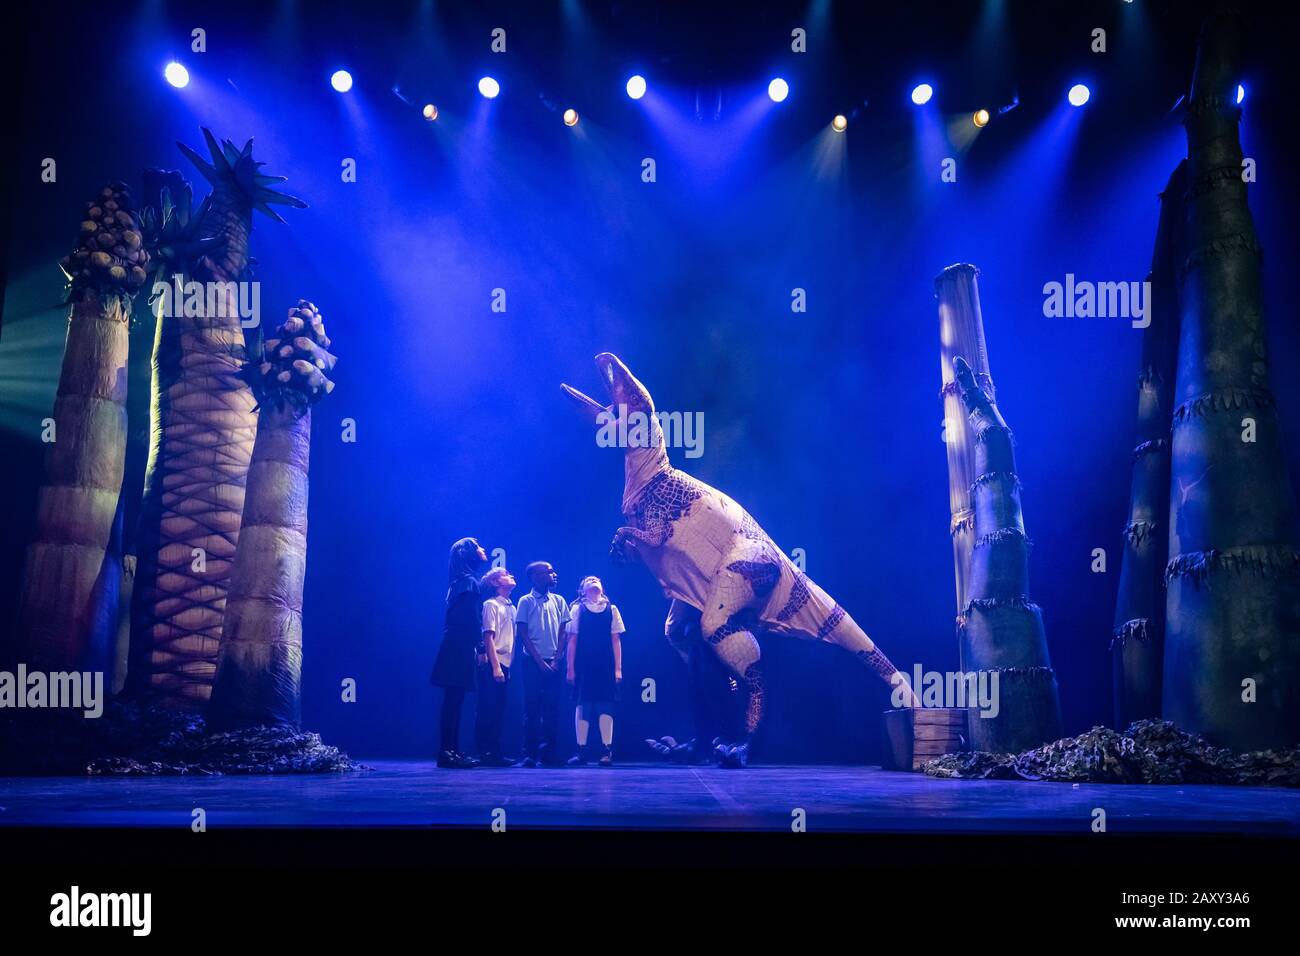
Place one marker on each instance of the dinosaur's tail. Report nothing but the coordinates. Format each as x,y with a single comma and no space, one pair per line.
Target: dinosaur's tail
822,618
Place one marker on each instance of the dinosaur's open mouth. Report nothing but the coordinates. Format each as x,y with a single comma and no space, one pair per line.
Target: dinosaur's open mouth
584,402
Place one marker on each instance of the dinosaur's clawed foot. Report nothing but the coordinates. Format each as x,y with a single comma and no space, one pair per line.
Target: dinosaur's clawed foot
663,747
732,756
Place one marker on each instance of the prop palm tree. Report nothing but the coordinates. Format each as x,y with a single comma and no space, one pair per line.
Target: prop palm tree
1001,629
68,606
1137,642
1232,642
203,425
260,662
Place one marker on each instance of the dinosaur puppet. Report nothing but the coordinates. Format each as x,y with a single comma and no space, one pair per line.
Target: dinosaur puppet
711,558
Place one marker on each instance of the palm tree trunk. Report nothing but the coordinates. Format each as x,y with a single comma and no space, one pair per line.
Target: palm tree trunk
1232,642
961,332
203,425
68,605
1137,642
1001,629
259,672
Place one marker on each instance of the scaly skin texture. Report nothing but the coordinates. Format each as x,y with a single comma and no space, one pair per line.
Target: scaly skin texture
708,553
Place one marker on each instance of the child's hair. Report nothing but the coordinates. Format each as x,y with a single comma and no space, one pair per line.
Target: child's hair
489,580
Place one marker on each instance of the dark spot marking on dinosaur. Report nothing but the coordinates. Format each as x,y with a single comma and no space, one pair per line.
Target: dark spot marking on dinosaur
799,595
878,662
761,575
831,623
667,497
741,621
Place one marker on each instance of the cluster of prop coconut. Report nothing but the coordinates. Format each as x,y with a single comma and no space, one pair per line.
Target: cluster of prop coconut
295,361
110,254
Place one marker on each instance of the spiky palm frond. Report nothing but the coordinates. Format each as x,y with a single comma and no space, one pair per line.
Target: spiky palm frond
172,230
235,167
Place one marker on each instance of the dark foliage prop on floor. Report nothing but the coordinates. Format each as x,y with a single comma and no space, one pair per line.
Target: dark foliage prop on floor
139,740
1150,751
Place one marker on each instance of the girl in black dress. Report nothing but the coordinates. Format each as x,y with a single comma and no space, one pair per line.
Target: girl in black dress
595,666
453,670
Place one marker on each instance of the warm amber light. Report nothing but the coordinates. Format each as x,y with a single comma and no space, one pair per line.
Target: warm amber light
570,117
430,112
981,118
840,123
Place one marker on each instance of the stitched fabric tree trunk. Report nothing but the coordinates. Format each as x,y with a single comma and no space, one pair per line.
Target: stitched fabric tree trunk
961,333
260,663
68,605
1137,642
1232,644
1001,629
203,425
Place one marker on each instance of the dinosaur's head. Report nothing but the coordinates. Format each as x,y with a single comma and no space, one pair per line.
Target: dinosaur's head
629,403
626,394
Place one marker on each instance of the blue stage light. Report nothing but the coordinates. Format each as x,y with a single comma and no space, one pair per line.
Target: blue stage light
489,87
179,77
921,94
1241,93
1079,94
636,87
341,81
778,90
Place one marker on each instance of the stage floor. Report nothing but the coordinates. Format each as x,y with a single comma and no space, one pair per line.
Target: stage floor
867,799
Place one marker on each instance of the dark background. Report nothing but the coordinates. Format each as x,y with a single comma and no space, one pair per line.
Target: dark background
824,425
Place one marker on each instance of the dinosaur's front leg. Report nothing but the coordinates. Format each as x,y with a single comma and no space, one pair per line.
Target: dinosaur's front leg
623,548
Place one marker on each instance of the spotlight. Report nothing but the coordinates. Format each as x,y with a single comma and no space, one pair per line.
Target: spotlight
840,123
489,87
179,77
341,81
1079,94
981,118
570,117
921,94
1241,90
430,112
636,87
778,90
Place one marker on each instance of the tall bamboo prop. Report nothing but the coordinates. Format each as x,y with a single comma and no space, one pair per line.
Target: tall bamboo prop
204,424
1001,629
961,333
1137,641
68,605
1232,642
260,664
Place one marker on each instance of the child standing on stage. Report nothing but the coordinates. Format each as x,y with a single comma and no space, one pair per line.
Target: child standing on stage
595,666
494,665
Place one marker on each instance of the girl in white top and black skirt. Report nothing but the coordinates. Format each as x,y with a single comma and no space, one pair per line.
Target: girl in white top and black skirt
595,666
